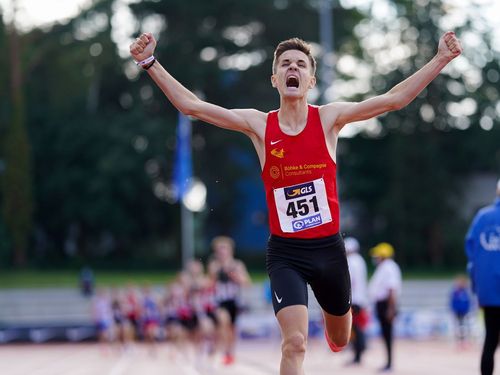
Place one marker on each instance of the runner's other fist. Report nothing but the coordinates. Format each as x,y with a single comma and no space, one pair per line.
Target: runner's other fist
449,46
143,47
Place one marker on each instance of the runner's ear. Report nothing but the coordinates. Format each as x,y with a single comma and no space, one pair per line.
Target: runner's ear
273,80
312,82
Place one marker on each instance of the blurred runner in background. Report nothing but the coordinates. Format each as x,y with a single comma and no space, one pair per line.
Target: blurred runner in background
229,276
123,332
103,319
201,298
132,309
150,318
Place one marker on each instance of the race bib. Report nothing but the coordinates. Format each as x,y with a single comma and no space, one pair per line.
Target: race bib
302,206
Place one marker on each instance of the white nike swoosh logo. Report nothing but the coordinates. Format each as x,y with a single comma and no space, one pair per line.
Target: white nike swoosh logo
274,142
277,298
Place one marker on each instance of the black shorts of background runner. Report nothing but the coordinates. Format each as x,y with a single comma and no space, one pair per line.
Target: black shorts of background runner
190,324
293,263
231,306
212,316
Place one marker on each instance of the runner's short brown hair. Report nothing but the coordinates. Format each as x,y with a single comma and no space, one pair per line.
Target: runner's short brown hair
294,43
222,240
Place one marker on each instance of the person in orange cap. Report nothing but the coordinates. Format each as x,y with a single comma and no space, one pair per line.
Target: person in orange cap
384,289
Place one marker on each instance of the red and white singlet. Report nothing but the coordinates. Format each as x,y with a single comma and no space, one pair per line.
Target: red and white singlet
299,177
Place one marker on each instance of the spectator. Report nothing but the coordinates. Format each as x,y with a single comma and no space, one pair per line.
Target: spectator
87,281
482,246
384,289
460,304
359,288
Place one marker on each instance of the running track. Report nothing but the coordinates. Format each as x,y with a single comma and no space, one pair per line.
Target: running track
253,358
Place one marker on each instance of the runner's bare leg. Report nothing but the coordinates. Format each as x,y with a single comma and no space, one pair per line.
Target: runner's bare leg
338,328
293,321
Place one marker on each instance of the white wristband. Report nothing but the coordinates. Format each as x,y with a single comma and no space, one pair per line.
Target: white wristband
145,61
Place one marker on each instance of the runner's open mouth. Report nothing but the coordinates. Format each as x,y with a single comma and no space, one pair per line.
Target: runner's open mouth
292,81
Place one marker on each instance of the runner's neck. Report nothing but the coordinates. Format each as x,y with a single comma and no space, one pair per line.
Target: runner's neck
292,117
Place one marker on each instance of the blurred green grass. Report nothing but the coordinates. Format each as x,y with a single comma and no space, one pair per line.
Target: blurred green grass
70,278
67,279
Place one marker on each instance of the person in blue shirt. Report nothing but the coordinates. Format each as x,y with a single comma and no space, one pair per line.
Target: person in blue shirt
460,304
482,246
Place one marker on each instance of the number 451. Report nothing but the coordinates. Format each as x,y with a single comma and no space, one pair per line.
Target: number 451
301,207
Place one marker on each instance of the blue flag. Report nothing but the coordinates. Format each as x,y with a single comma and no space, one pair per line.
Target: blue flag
183,168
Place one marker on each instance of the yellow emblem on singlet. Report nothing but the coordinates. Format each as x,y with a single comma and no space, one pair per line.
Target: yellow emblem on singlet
278,153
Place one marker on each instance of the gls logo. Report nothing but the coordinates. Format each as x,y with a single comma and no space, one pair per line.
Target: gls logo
299,190
303,191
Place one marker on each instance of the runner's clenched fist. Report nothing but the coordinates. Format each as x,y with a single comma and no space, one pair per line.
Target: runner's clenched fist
143,47
449,46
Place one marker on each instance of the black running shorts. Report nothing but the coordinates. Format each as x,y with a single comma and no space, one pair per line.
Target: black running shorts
293,263
231,307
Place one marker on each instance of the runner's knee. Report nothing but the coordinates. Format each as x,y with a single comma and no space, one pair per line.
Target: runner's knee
338,329
294,345
340,338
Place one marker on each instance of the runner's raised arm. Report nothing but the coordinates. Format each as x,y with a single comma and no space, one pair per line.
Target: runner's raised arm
142,50
400,95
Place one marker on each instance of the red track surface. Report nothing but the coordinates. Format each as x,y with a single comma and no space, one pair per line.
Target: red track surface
253,358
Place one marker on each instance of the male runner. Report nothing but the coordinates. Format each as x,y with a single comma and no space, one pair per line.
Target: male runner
296,147
229,276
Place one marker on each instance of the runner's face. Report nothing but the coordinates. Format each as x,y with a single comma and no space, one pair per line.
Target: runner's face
293,77
223,251
195,268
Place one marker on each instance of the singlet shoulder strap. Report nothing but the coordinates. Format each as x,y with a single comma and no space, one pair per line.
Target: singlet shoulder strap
314,113
315,120
271,124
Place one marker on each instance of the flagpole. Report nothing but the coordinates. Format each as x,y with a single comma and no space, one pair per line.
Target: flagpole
325,10
187,234
183,179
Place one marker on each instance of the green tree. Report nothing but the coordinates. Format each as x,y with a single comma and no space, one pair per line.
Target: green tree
16,181
102,134
98,156
410,178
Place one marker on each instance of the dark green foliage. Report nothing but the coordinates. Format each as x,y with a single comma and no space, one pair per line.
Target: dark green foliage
16,182
410,181
101,141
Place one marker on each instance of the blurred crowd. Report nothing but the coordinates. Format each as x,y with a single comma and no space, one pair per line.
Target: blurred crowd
197,311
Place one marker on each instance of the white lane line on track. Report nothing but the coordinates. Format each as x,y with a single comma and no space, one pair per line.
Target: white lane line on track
189,370
255,368
185,366
239,368
57,365
120,366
